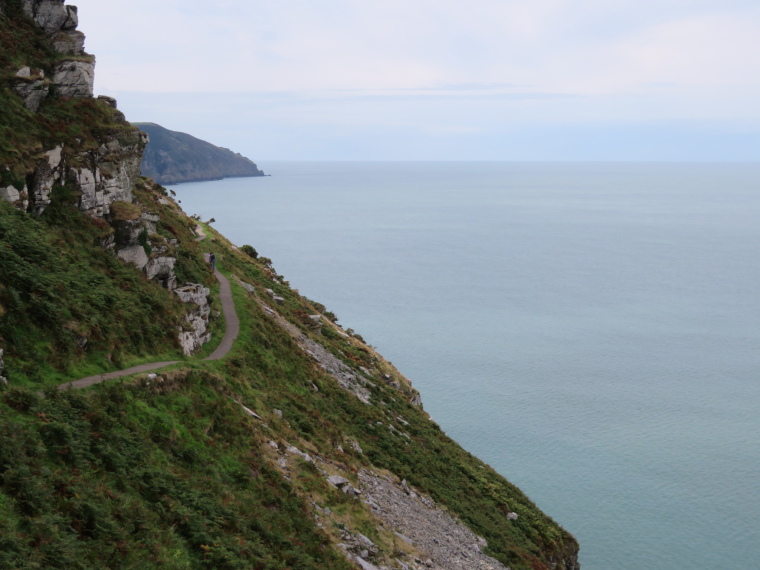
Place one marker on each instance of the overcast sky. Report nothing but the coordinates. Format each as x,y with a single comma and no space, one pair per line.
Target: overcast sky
439,79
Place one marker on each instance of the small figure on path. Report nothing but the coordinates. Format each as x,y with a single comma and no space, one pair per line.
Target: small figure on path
212,261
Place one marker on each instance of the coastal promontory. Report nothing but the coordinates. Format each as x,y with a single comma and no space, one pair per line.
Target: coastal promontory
172,157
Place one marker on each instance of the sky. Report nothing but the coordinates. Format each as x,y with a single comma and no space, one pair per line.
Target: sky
524,80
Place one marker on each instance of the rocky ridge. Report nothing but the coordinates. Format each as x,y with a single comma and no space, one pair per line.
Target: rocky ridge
106,173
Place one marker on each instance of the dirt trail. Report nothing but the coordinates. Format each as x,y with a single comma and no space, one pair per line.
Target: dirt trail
231,331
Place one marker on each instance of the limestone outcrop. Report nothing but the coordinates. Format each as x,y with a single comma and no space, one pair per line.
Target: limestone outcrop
195,332
74,78
51,15
32,87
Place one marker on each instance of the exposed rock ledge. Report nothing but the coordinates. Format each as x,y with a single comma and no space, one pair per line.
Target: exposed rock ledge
195,332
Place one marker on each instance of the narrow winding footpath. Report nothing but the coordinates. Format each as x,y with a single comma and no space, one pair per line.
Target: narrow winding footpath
231,331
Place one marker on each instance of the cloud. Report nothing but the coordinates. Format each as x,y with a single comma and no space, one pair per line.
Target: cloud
584,46
426,66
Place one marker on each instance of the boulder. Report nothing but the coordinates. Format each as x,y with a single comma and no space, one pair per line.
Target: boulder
344,485
134,254
337,481
74,78
19,198
32,91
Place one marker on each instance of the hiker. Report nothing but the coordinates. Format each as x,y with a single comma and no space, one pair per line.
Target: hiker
212,260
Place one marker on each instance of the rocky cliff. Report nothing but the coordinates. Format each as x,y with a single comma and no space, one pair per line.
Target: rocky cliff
301,448
172,157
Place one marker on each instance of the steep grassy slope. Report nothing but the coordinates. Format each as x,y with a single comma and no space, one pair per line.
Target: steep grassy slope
206,464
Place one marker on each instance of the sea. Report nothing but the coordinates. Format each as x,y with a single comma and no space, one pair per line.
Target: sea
590,330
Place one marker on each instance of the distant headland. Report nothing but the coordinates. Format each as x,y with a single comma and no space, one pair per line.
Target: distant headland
172,157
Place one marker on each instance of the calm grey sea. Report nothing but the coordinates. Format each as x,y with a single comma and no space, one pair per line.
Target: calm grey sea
590,330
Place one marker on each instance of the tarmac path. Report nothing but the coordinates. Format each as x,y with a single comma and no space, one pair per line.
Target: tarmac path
231,331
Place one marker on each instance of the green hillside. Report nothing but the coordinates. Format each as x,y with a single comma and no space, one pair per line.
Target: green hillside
282,454
172,157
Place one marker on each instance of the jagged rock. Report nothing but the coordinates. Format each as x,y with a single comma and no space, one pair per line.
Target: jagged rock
512,516
69,42
19,198
150,222
33,92
50,15
45,176
194,335
74,78
162,269
24,72
72,20
114,170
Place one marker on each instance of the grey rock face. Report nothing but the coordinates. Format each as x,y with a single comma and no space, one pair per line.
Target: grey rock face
19,198
162,269
134,254
51,15
114,170
194,334
47,173
74,78
69,42
32,91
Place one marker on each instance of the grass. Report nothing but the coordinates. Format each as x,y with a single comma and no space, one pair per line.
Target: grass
174,474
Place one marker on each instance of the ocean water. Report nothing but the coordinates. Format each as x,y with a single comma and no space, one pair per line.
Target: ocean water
592,331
